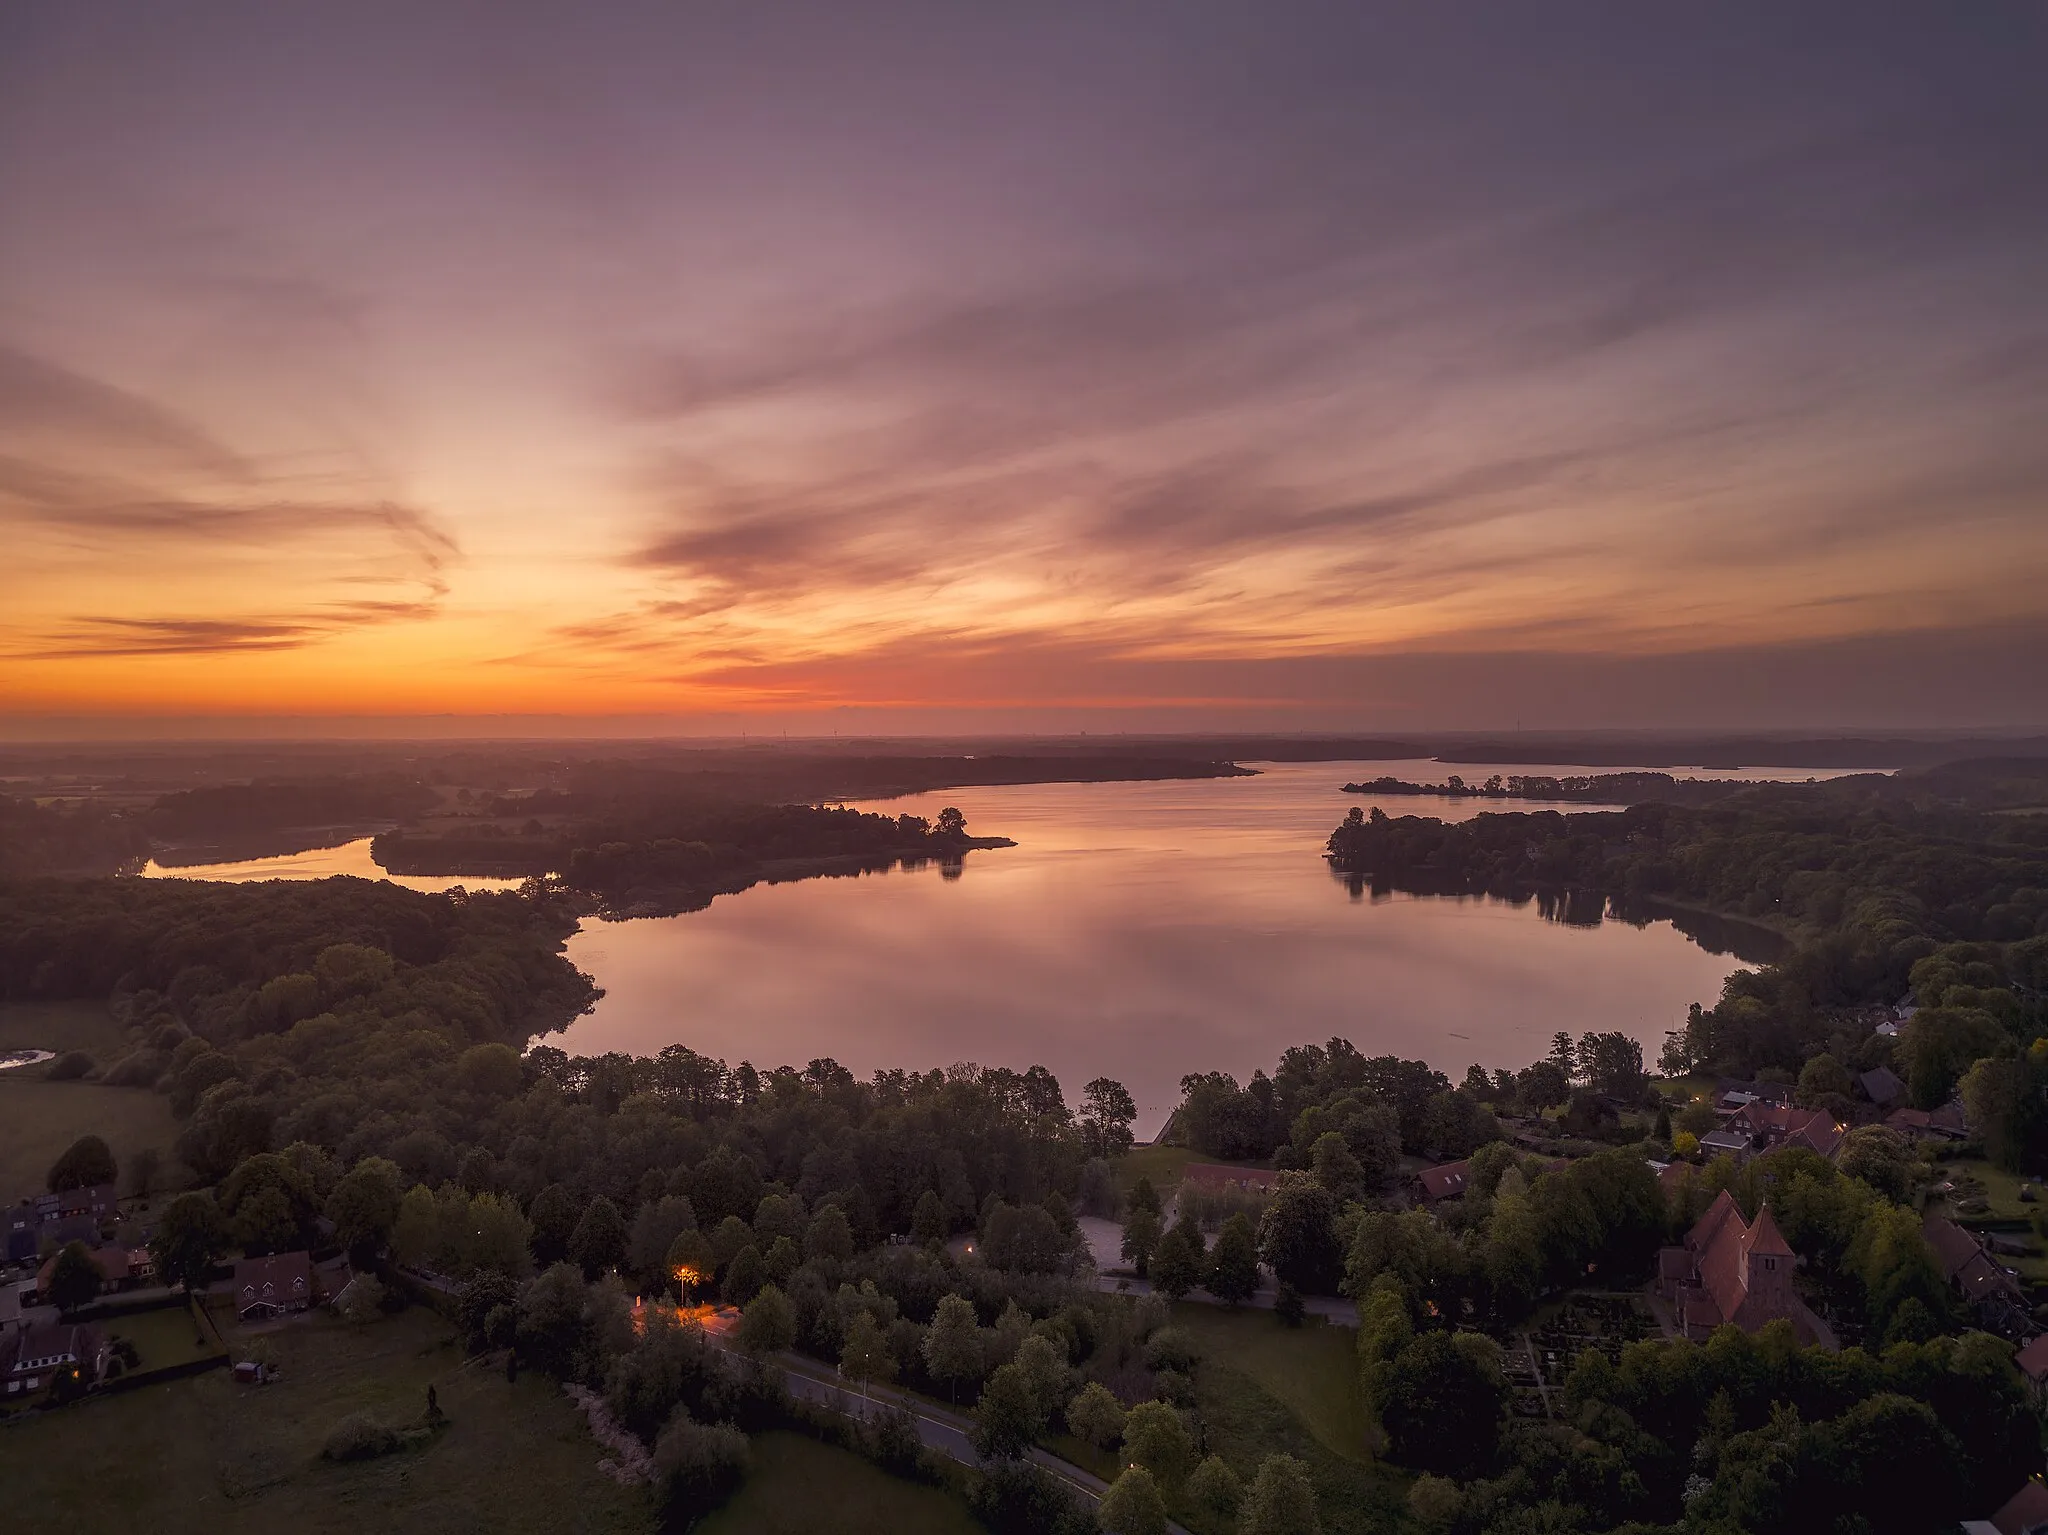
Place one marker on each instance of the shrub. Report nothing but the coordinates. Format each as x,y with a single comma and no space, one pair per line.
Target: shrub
360,1437
1171,1349
1018,1498
138,1068
363,1300
70,1066
697,1466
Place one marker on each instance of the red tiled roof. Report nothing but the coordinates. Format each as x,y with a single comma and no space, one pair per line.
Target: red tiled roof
1445,1182
278,1280
1964,1261
2025,1511
1709,1225
112,1261
1726,1286
2033,1359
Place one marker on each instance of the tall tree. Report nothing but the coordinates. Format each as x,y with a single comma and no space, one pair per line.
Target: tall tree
865,1356
1298,1236
1006,1421
1178,1260
85,1162
1132,1506
952,1344
1281,1500
768,1324
1141,1237
1234,1262
599,1240
1157,1439
74,1278
190,1237
1107,1111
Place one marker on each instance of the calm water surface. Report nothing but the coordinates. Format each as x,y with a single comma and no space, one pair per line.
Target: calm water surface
1138,931
320,863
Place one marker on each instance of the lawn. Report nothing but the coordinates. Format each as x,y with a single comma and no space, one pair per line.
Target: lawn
62,1026
1164,1165
43,1118
164,1336
801,1487
1246,1423
206,1455
1312,1369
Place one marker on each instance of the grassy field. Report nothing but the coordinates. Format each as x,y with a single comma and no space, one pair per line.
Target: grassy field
1164,1165
801,1487
62,1026
42,1118
206,1455
1311,1370
164,1336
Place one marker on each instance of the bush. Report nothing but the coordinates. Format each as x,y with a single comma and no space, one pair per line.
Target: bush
360,1437
70,1066
1171,1349
697,1466
139,1068
363,1300
891,1441
1018,1498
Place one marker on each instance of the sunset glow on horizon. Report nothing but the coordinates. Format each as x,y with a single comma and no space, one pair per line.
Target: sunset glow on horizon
933,365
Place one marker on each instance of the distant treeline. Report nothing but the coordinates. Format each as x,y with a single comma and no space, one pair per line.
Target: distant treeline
232,810
52,839
1595,789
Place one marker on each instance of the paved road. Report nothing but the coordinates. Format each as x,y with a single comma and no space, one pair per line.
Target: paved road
938,1428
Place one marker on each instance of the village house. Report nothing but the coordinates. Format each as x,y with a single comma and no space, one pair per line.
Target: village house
34,1358
1726,1143
1994,1296
2024,1513
2032,1360
71,1216
1771,1125
1943,1124
1882,1087
272,1286
1449,1180
1732,1273
1736,1095
121,1267
1445,1182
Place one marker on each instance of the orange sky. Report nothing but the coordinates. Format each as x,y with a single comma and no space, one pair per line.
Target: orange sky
1033,370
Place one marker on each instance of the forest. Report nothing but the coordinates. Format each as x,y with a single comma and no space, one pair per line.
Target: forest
1928,886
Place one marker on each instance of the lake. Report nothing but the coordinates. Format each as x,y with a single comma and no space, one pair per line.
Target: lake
1138,930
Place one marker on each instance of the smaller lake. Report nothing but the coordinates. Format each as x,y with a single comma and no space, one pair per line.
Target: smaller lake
321,863
9,1059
